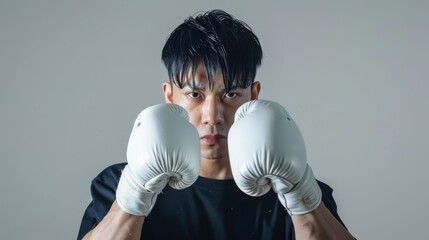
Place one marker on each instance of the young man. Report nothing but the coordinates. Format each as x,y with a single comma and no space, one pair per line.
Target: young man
189,177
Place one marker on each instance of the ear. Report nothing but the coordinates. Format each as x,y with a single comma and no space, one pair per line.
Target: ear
168,92
256,88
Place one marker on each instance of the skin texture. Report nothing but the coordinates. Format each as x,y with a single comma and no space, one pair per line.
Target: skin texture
212,112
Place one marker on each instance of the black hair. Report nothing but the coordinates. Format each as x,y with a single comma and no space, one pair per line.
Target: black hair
218,40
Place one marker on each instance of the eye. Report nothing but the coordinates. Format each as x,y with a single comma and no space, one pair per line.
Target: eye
194,95
231,95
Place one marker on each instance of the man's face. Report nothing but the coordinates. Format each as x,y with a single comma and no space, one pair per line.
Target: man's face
211,111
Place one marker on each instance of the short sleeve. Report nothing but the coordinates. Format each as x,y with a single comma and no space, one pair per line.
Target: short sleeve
329,201
103,190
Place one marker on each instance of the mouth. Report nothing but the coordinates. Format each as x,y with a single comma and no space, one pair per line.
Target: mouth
212,139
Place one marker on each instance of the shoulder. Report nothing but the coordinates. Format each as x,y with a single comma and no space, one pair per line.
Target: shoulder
328,200
327,197
326,189
112,171
103,189
108,178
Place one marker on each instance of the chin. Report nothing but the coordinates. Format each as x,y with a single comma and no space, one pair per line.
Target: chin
213,154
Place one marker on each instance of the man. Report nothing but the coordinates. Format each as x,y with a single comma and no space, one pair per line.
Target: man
186,181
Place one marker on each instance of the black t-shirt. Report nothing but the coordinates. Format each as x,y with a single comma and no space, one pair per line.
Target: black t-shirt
209,209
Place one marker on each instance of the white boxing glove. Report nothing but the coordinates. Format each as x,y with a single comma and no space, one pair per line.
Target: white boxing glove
164,147
266,149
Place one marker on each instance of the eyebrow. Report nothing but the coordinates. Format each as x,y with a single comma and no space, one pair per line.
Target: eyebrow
193,86
201,87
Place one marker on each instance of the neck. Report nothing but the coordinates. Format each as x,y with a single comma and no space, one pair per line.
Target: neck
215,169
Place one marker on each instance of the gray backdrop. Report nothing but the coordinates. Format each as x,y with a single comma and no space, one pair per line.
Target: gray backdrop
354,74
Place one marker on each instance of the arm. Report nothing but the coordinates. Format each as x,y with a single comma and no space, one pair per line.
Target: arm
157,155
267,151
117,224
319,224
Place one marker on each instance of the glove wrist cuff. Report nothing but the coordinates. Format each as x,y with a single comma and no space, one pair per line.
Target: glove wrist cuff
132,197
305,197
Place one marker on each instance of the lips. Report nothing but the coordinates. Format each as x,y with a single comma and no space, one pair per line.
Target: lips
213,138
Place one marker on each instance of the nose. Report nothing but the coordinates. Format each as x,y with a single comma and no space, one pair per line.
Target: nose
212,112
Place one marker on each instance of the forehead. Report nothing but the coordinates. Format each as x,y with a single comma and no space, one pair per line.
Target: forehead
201,78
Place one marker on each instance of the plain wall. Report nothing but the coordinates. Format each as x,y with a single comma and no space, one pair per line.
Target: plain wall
353,74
